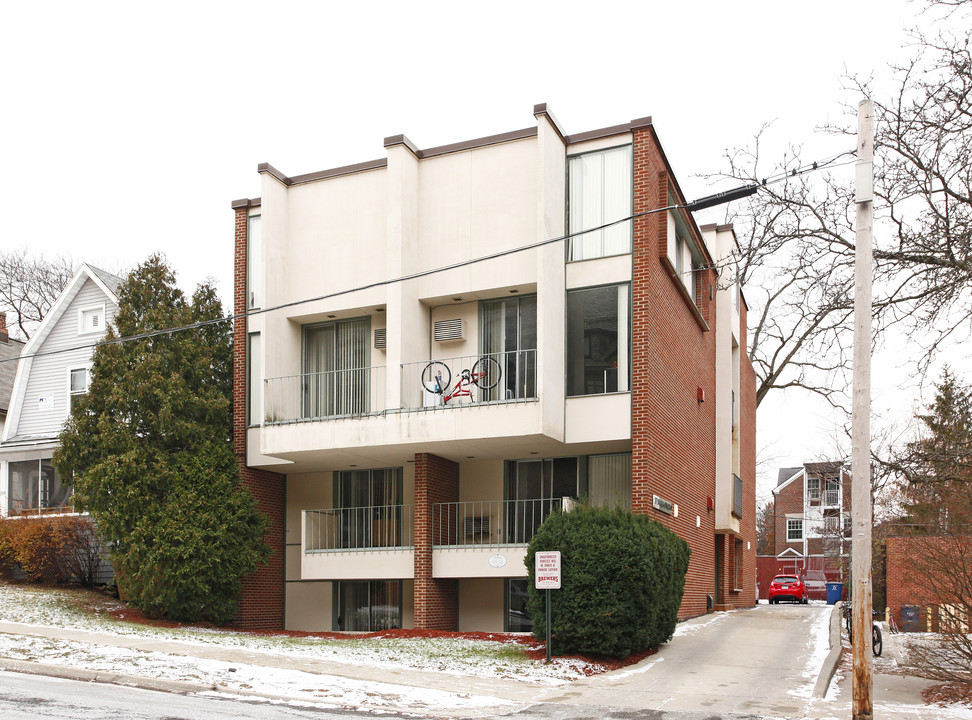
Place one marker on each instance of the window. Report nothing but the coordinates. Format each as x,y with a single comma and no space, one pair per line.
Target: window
78,381
598,345
599,191
794,530
369,507
91,320
517,617
368,605
254,260
35,485
336,375
738,559
813,489
833,492
684,257
508,333
535,488
254,380
609,480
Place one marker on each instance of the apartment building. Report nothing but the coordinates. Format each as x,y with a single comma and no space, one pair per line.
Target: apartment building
812,506
445,345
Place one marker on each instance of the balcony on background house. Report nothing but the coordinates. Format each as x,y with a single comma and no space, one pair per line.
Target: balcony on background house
488,379
324,395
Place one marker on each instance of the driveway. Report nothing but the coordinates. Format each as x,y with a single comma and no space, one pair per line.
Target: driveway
763,661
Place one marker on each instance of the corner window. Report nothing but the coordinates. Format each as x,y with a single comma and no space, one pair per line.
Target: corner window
598,340
91,320
254,258
794,530
599,191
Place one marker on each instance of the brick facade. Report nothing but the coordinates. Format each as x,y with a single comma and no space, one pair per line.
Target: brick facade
436,600
673,356
747,464
932,583
261,604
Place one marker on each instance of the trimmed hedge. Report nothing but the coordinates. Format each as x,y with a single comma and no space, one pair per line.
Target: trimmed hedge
623,576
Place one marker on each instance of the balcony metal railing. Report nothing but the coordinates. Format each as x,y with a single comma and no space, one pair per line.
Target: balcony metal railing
832,498
489,523
323,395
517,381
375,527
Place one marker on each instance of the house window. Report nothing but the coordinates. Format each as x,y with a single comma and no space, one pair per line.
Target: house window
91,320
368,506
78,381
599,191
833,492
794,530
813,489
535,489
682,253
368,605
609,480
508,333
336,374
598,345
254,260
34,485
738,559
254,380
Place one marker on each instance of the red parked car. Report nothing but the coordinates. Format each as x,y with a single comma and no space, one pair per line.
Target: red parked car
788,587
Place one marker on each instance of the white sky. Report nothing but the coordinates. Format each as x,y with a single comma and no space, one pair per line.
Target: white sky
128,128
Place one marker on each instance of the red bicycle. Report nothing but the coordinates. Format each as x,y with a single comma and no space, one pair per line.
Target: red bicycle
485,374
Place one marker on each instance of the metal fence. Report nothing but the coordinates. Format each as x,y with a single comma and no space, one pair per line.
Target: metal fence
375,527
490,522
449,382
321,395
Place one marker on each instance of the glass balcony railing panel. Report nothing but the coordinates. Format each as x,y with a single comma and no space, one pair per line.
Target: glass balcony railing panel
324,395
469,380
487,523
375,527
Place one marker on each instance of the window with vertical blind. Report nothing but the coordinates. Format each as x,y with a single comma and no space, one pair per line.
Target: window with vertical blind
508,333
336,374
599,191
609,480
254,260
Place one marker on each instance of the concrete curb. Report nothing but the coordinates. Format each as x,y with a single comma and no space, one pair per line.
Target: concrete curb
832,660
72,673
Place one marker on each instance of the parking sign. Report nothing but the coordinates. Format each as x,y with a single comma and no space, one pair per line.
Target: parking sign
547,570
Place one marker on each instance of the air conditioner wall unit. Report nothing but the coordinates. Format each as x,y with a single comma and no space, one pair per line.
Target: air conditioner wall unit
445,330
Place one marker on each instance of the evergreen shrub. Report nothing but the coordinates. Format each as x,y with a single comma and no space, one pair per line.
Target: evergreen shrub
623,576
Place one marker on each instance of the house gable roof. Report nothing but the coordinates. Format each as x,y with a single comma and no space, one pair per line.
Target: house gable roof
787,476
8,370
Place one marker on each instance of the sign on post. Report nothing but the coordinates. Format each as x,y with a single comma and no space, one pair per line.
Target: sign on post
547,570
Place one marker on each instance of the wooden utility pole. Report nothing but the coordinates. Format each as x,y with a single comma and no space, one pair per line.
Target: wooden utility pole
863,701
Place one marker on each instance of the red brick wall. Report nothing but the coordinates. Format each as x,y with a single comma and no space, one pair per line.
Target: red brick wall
907,585
436,600
747,464
262,596
673,435
788,500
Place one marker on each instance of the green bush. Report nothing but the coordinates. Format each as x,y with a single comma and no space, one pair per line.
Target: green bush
622,581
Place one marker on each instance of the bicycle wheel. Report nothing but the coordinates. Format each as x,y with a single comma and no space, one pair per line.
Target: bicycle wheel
876,643
436,377
486,372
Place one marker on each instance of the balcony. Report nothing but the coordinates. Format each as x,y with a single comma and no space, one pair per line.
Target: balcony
371,528
489,524
324,395
494,378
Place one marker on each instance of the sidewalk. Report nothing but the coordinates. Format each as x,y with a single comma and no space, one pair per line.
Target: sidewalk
721,663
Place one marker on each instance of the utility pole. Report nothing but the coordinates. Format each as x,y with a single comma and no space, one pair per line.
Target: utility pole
863,691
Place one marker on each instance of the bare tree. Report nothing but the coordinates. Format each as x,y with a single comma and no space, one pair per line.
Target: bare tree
29,286
797,240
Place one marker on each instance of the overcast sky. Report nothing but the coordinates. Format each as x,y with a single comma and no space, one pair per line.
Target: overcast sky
128,128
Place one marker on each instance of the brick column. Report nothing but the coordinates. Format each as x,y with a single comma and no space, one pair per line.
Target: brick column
261,605
673,356
436,600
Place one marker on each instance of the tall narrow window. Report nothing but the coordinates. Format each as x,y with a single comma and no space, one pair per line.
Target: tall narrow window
368,504
599,191
254,380
535,489
336,374
254,260
609,480
598,345
508,333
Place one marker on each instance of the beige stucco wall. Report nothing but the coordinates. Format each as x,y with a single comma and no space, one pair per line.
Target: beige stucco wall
481,605
309,606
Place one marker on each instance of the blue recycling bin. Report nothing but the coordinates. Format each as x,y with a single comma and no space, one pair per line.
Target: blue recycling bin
835,591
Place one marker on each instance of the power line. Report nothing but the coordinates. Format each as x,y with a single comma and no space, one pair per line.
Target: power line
699,204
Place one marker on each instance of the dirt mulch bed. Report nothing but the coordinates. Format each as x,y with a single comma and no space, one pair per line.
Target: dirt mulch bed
948,694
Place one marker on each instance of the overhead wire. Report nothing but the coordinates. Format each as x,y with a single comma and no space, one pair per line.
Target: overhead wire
814,166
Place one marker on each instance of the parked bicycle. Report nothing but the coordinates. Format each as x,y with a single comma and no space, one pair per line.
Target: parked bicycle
877,642
436,376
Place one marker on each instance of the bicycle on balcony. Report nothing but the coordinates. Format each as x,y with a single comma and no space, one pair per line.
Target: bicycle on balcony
436,376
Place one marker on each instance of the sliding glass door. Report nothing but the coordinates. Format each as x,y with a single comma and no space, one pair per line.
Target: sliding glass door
335,374
508,333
